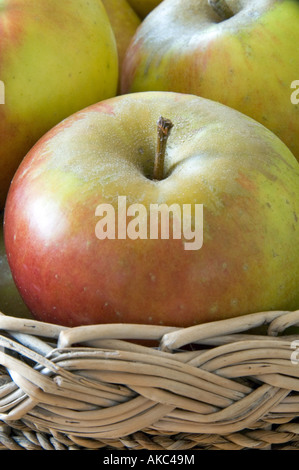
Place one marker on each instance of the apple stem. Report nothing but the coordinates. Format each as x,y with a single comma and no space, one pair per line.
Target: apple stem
221,8
164,127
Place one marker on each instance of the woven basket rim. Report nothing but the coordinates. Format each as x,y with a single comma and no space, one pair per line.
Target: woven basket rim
217,384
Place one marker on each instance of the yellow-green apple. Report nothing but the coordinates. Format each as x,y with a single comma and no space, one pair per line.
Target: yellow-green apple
56,57
143,7
244,54
124,22
108,221
11,303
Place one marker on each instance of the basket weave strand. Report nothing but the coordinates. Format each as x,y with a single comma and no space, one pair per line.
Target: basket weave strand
211,386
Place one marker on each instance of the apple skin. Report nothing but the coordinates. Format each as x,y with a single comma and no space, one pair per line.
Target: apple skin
144,7
246,178
55,58
124,22
11,303
247,62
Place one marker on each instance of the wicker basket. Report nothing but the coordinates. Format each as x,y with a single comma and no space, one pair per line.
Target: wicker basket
212,386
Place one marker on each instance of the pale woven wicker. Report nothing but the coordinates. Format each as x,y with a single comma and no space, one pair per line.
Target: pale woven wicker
212,386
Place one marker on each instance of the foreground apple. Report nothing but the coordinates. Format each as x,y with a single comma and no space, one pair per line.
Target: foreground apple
144,7
73,266
124,22
11,303
242,54
56,57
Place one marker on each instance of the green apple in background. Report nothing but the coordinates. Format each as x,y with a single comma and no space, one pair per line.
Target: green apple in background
244,54
56,57
246,179
11,303
144,7
124,22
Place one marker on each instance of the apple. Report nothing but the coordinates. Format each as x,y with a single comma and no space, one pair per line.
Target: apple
242,54
124,22
112,164
11,303
56,57
144,7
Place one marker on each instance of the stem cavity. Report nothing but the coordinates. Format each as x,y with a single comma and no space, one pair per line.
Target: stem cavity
221,8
